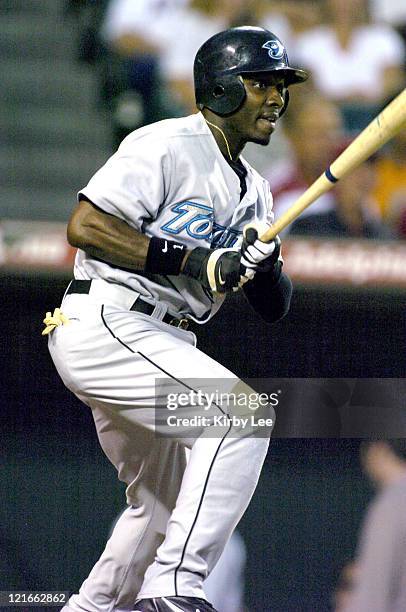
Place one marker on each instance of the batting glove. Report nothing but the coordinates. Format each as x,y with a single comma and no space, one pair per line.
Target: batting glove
256,255
219,270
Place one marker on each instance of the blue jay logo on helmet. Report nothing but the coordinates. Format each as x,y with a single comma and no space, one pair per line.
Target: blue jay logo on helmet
275,49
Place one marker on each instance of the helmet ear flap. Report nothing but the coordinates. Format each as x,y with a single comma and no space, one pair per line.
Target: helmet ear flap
226,95
285,106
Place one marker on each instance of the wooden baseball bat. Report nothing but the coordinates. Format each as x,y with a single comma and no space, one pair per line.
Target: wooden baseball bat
375,135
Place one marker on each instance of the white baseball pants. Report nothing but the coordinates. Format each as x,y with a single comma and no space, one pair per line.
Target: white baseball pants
180,514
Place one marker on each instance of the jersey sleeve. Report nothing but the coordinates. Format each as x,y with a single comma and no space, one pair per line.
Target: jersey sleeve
133,184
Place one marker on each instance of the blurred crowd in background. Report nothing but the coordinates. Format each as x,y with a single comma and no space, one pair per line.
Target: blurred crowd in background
355,50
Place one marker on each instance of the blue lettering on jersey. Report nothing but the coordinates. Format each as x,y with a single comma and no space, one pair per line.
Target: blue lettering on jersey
197,221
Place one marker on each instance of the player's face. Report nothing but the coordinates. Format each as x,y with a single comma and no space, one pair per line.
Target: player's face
265,97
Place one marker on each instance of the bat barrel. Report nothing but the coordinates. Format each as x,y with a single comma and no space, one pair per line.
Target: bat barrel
375,135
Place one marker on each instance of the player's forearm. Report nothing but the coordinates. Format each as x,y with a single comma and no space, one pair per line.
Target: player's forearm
107,237
271,300
112,240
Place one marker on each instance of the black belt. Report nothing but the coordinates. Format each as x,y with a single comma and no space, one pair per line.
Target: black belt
140,305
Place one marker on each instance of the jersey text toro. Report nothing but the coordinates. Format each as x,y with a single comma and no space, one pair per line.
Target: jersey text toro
197,221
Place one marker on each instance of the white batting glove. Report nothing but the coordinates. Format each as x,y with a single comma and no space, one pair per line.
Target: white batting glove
256,255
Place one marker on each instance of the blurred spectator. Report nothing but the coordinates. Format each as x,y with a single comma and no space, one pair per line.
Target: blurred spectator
267,15
390,188
151,46
380,585
286,19
141,28
388,11
136,36
89,16
192,25
351,216
354,62
392,12
313,127
293,17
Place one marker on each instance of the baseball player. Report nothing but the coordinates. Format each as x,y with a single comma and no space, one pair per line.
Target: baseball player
159,232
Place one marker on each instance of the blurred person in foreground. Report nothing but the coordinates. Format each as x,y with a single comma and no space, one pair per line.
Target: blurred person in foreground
380,585
354,62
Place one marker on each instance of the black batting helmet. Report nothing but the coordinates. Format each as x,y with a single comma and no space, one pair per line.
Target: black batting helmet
225,56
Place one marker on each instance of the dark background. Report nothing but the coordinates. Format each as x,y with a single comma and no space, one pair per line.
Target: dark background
59,494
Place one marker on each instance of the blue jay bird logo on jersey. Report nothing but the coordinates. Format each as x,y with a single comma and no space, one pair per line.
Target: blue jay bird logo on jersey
275,49
197,221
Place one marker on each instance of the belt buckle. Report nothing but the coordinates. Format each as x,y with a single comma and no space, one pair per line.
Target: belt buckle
180,323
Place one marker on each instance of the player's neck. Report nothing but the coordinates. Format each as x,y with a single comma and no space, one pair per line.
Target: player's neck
230,146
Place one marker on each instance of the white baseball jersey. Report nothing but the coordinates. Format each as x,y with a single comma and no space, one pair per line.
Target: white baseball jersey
170,180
